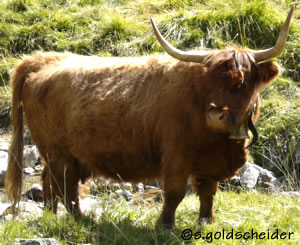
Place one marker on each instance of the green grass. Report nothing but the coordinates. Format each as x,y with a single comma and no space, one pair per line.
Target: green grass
126,223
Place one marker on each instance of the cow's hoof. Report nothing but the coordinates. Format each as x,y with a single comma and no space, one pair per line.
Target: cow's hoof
165,225
205,221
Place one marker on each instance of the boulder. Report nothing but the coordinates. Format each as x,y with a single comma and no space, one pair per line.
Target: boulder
252,176
31,156
35,193
248,176
139,187
291,193
40,241
91,204
3,167
123,193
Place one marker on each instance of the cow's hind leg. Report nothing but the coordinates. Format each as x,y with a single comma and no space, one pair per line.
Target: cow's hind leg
60,182
50,200
206,189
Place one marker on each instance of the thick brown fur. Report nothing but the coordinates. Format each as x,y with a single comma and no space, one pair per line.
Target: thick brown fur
133,119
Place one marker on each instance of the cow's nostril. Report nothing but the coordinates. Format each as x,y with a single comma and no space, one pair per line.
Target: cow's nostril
212,106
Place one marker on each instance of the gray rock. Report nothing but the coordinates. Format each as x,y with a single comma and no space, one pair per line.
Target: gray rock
124,193
28,170
101,185
25,209
154,183
91,204
291,193
35,193
139,187
235,181
31,156
4,145
41,241
248,176
126,186
267,176
3,167
4,206
281,179
150,187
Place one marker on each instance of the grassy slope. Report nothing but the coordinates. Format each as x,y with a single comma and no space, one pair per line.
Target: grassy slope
121,28
122,223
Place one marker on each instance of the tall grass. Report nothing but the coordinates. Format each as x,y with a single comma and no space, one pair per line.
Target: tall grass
128,223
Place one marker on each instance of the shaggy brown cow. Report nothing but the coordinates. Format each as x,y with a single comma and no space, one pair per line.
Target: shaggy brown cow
138,118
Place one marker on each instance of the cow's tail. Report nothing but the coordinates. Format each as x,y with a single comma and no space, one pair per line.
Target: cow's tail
14,175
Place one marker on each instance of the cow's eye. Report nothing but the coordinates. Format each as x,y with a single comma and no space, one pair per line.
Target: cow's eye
238,86
241,84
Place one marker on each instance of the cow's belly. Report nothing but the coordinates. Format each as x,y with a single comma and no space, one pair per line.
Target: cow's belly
123,166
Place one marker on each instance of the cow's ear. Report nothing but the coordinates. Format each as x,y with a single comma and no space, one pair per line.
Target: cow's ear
268,71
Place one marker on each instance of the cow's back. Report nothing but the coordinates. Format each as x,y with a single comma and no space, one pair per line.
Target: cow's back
94,109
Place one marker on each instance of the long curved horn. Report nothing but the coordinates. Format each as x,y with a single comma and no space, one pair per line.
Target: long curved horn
197,57
275,51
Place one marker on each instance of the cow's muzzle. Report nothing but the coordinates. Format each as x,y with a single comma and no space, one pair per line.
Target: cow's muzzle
242,132
220,118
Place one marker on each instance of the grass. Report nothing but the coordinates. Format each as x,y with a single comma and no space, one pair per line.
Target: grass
126,223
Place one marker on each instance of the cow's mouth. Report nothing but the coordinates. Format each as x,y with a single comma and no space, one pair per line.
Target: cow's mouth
223,120
242,132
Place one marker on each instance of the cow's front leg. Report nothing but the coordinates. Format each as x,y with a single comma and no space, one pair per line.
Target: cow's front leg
174,191
206,190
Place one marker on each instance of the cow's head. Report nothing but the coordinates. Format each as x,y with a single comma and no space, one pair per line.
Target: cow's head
234,79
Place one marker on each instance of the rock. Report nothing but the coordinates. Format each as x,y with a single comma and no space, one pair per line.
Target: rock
4,206
266,176
149,196
28,170
139,187
41,241
126,186
281,179
267,187
150,187
124,193
154,183
31,156
25,209
35,193
103,185
252,176
233,184
235,181
3,167
30,208
291,193
90,204
4,145
248,176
